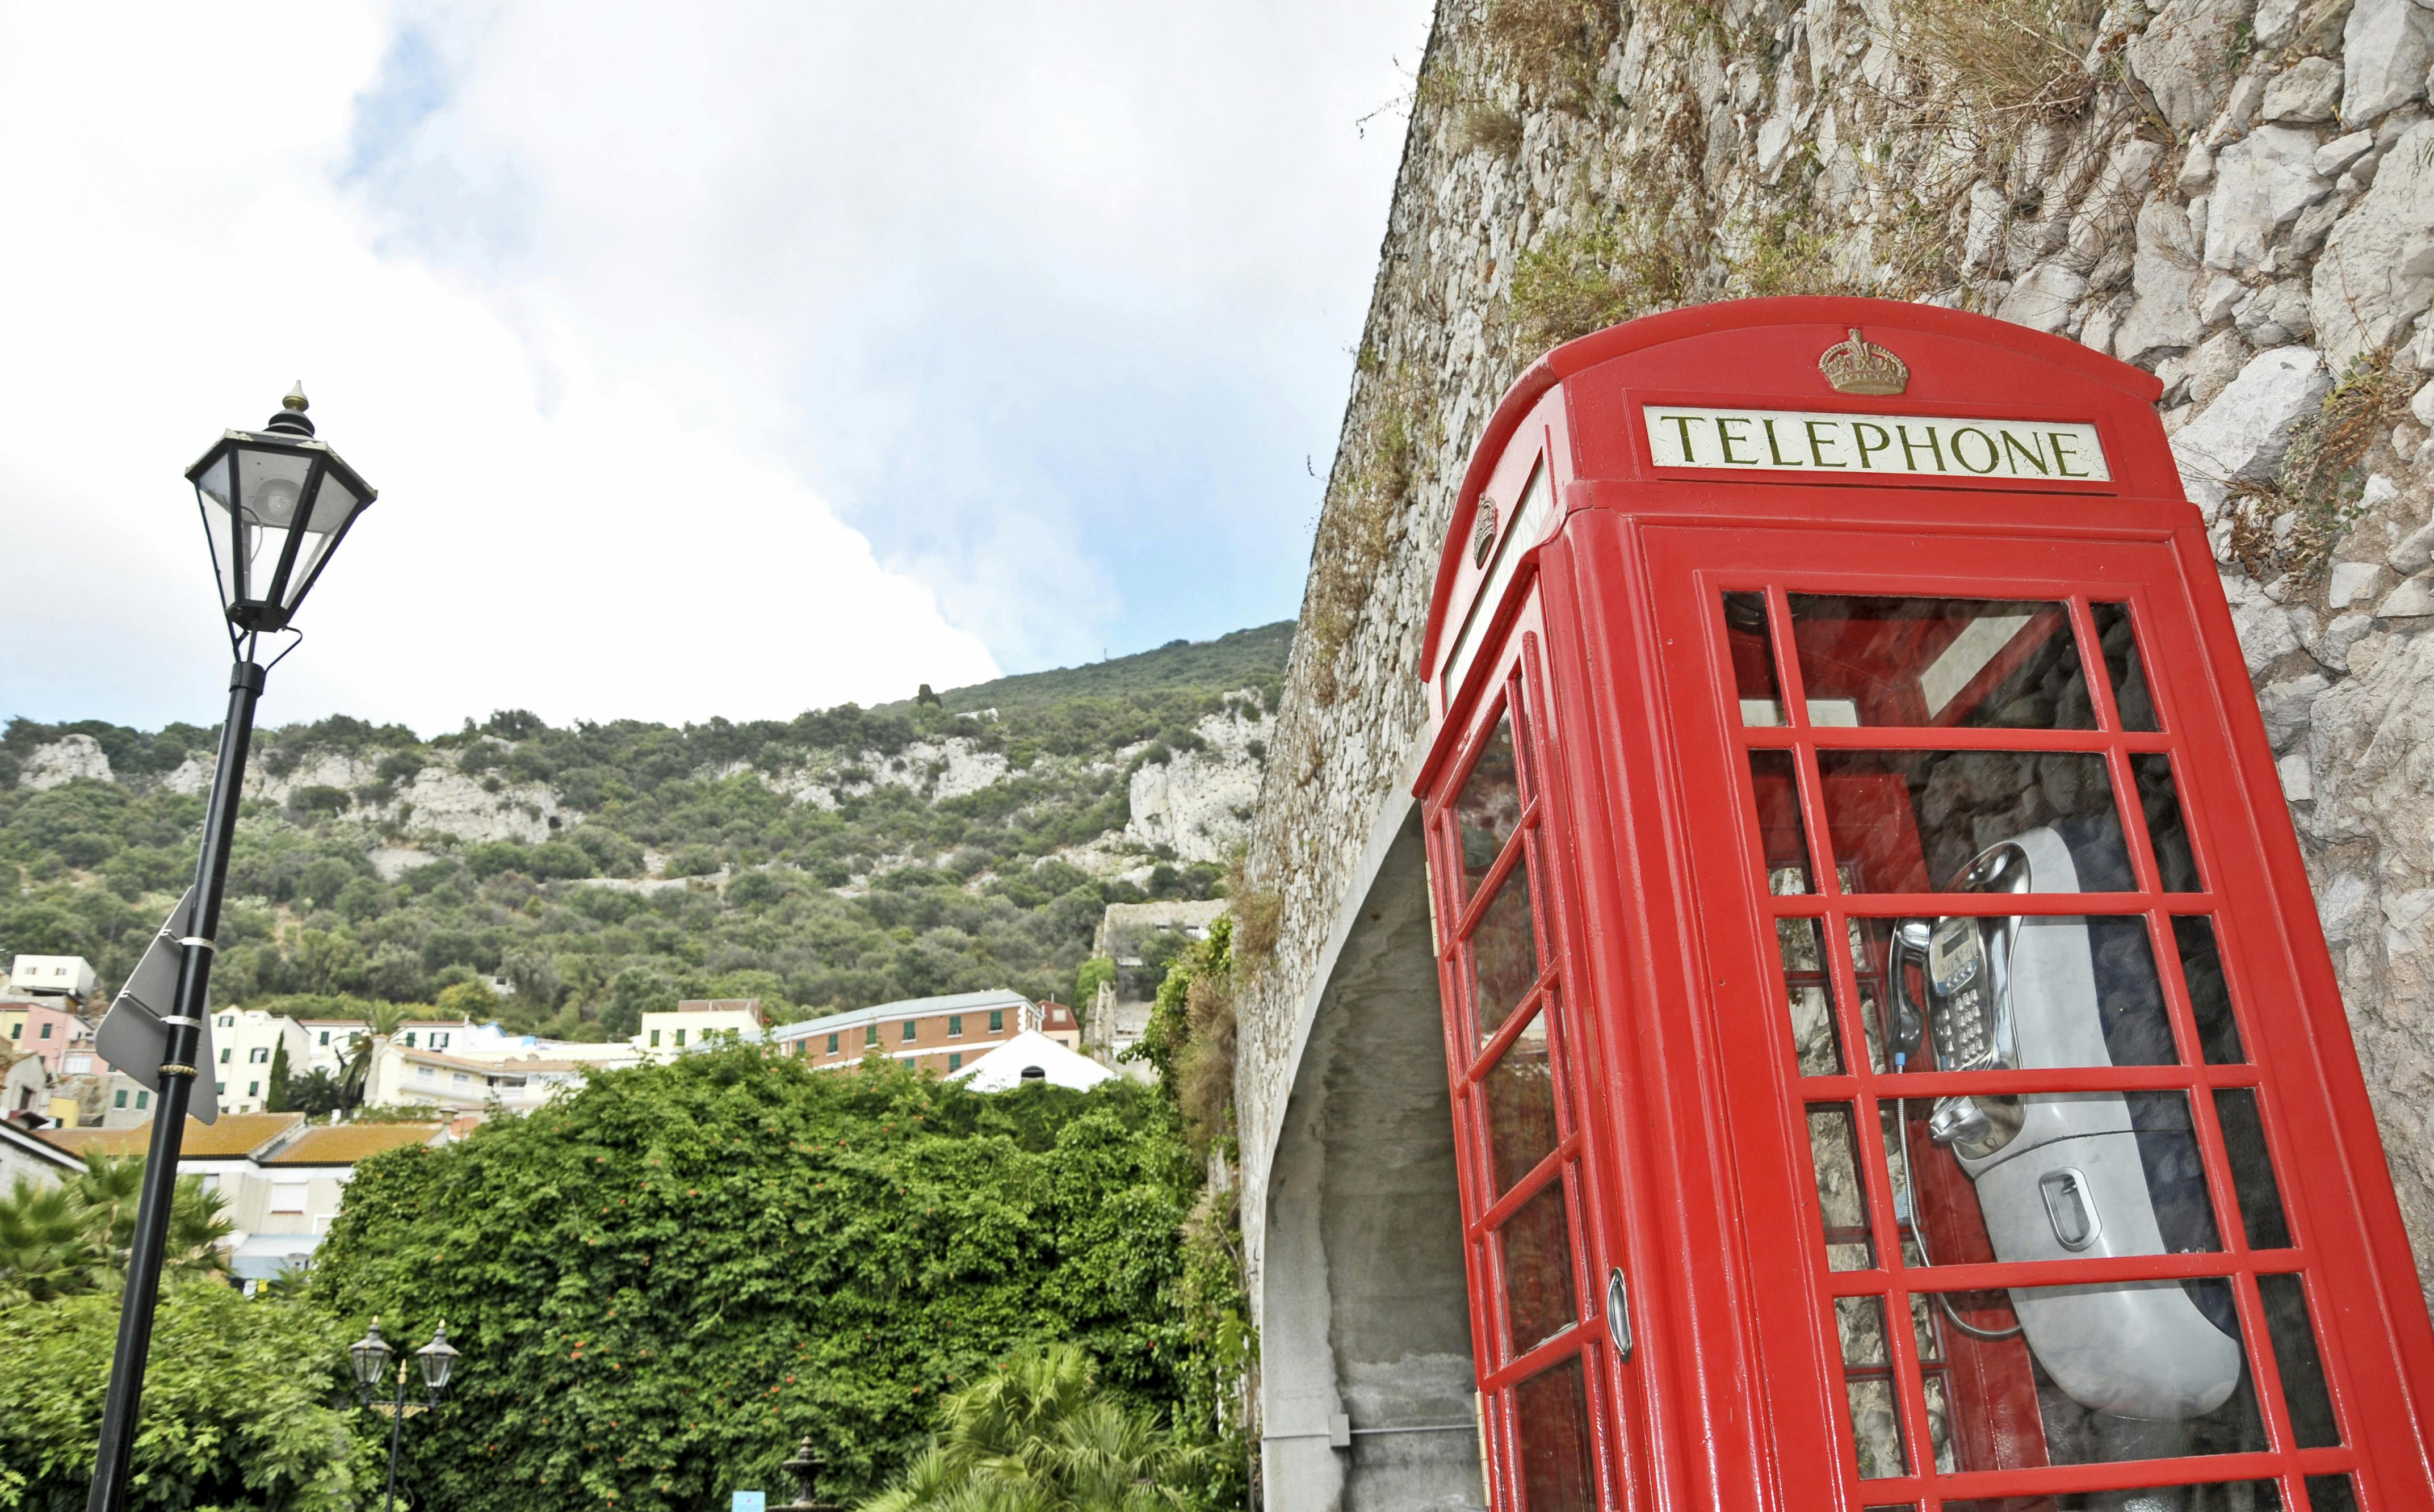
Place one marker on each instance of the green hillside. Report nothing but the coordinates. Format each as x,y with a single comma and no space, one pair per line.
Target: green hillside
1245,659
843,857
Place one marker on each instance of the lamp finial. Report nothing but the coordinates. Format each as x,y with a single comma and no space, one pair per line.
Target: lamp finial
295,399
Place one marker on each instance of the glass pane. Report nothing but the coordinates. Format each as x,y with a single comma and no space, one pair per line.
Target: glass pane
1782,839
2122,666
2252,1169
2175,862
1959,663
1489,806
2020,991
1816,1042
1916,821
1842,1204
2330,1493
1503,951
2220,1496
1550,1414
1868,1381
2129,1370
2209,992
1520,1090
2312,1425
1539,1297
1751,648
2050,1176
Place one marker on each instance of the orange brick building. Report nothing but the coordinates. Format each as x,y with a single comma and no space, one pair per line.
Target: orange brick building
941,1034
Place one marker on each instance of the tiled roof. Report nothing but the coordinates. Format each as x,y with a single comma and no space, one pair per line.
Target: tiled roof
346,1143
234,1136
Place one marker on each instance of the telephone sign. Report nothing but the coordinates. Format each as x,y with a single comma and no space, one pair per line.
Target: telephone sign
1895,1061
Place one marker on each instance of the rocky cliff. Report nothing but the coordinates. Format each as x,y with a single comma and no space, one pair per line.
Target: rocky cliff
2238,194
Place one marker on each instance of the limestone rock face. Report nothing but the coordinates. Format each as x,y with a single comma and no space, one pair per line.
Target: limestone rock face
2165,274
2377,272
63,761
2304,91
2179,57
2371,747
2244,433
2262,182
2385,51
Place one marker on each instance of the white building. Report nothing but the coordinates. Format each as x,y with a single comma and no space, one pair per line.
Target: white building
248,1042
52,976
699,1022
32,1159
281,1179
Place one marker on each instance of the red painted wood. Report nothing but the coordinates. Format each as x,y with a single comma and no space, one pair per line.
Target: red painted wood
1685,1153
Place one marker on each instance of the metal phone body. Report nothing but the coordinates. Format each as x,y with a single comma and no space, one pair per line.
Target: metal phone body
2057,1175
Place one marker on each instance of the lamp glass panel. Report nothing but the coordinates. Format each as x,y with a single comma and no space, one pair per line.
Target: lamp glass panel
370,1356
333,505
435,1361
270,499
214,489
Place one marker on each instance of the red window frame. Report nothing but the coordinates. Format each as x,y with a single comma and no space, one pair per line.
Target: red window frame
1693,567
1558,998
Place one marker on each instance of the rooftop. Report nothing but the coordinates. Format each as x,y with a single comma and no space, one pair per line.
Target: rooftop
234,1137
346,1143
1030,1056
906,1009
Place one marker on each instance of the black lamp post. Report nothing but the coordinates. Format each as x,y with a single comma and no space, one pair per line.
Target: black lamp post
275,504
370,1356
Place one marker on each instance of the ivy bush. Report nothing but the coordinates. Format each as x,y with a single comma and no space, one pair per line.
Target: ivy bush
661,1283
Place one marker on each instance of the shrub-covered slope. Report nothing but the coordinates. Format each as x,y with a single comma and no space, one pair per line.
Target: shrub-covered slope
843,857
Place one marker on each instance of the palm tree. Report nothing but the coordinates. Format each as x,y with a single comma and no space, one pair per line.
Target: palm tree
109,1189
1038,1436
74,1237
46,1248
355,1075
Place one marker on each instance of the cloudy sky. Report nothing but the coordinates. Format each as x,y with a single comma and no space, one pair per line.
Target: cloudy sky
719,359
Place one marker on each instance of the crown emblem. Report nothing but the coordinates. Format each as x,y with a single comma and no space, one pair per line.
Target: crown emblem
1861,367
1482,532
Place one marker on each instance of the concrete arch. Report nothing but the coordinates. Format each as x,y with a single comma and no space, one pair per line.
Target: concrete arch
1366,1385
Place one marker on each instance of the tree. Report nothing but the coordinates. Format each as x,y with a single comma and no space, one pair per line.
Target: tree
237,1405
473,1001
277,1102
1040,1436
698,1263
382,1021
58,1240
317,1093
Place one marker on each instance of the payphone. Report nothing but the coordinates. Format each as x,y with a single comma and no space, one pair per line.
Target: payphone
1894,1059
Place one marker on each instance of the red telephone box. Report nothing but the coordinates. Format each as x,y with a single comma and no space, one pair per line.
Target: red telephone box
1896,1060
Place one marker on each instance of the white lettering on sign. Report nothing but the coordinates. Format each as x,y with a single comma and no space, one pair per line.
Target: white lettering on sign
1792,440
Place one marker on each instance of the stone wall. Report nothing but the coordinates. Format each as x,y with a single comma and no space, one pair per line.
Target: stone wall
2238,194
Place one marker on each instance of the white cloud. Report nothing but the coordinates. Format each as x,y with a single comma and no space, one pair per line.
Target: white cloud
615,304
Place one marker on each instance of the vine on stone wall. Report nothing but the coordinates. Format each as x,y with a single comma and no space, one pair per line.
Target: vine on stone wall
2289,525
1358,525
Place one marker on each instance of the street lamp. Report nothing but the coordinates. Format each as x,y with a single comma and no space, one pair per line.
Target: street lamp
275,504
370,1356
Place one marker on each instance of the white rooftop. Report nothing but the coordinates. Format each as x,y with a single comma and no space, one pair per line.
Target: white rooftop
1014,1062
906,1009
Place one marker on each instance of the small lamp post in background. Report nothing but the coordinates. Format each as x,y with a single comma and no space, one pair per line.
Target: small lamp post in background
370,1356
275,504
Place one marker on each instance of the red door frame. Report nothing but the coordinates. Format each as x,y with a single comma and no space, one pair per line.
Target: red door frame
1645,792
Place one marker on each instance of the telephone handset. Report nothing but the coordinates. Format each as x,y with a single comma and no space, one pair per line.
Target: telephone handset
2067,1174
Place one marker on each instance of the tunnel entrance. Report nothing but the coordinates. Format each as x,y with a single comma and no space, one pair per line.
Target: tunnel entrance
1365,1374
